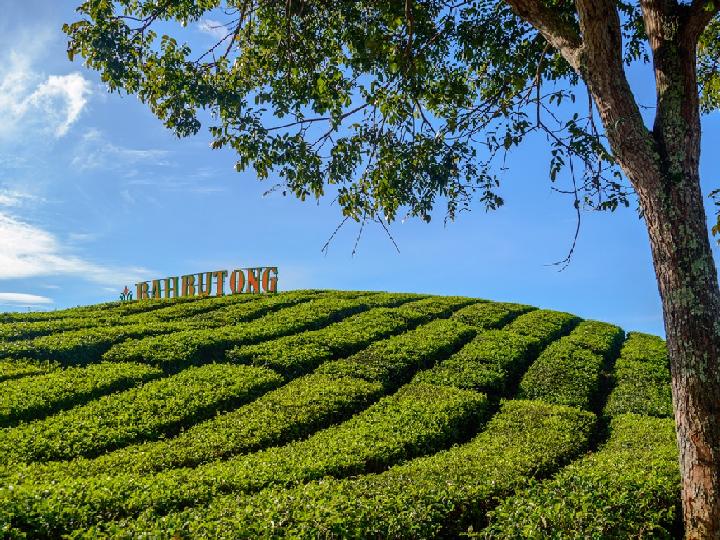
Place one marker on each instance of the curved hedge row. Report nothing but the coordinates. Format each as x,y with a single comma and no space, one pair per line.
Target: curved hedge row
181,348
89,344
628,489
41,395
642,379
417,420
149,411
438,495
284,414
570,370
23,367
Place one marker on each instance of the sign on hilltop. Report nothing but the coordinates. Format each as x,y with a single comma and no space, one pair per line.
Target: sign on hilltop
243,280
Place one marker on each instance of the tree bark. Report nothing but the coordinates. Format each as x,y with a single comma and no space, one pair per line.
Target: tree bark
663,166
685,269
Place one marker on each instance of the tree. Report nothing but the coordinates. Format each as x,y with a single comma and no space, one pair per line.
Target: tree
401,106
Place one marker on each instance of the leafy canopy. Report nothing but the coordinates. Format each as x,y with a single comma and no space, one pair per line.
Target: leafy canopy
396,105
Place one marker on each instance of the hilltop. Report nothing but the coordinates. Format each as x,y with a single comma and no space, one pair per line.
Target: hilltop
332,414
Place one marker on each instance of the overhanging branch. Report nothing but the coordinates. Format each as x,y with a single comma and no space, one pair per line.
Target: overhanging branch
558,32
700,13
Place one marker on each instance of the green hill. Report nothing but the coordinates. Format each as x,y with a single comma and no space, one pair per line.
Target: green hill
337,414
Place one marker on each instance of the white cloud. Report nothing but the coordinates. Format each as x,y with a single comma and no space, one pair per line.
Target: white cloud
213,28
12,198
62,98
23,299
95,152
28,251
29,99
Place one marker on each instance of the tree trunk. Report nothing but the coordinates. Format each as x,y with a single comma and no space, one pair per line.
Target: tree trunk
685,269
688,286
663,166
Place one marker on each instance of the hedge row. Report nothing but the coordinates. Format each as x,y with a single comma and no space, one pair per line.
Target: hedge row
185,347
191,309
628,489
153,410
642,379
570,370
89,344
240,312
107,309
298,354
428,497
489,363
34,397
23,367
488,315
29,330
282,415
419,419
301,406
79,346
544,325
393,361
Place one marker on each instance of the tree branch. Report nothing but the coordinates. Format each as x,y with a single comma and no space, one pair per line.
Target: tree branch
700,13
559,33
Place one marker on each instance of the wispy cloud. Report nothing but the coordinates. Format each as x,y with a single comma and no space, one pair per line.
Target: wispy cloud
14,198
95,152
29,99
23,299
213,28
29,251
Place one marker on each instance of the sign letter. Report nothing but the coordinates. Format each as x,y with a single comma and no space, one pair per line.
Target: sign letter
188,285
220,276
237,281
269,284
142,290
172,285
253,280
202,290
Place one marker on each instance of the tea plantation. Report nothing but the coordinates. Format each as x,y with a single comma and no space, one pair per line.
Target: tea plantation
332,414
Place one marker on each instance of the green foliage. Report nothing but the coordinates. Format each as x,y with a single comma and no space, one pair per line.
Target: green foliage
80,346
645,348
642,379
628,489
565,374
263,447
599,337
28,330
488,363
392,107
395,360
34,397
184,310
23,367
543,324
417,420
570,370
298,354
487,315
709,68
285,414
149,411
439,495
184,347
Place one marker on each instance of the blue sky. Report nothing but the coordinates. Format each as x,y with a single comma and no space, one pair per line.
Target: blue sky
96,194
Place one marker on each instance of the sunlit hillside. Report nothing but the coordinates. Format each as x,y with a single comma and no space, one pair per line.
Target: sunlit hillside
339,414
